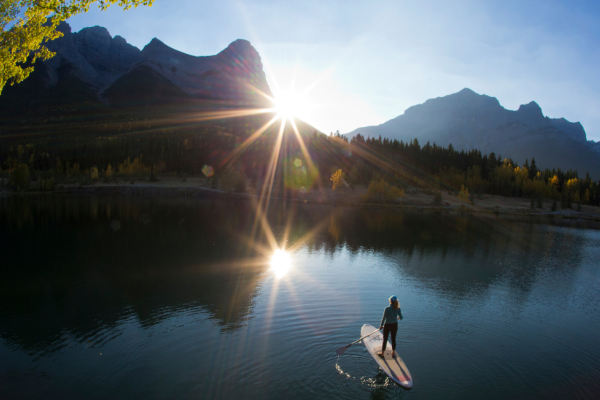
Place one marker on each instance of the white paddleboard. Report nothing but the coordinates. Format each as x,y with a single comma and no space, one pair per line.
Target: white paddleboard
393,367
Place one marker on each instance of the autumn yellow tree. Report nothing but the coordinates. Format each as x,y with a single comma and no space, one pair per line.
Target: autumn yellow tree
381,191
464,194
337,179
28,24
554,182
109,172
474,181
586,196
572,185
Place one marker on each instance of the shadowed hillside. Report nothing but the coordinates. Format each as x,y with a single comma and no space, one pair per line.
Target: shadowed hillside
470,121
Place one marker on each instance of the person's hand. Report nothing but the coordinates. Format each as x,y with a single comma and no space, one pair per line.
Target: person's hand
381,327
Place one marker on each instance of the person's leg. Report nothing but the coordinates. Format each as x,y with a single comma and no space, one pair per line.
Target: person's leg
386,332
394,331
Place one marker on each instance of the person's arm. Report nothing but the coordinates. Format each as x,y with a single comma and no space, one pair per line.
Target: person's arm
400,314
382,320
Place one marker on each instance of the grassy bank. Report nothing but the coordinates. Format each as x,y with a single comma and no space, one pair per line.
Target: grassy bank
414,198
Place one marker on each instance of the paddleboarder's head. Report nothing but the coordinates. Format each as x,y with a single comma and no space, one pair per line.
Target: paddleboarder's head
394,302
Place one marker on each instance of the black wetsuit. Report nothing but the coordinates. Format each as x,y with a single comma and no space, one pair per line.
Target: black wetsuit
390,314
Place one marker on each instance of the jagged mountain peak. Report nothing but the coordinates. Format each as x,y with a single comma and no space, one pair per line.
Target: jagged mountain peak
531,108
241,46
93,56
96,30
155,43
64,27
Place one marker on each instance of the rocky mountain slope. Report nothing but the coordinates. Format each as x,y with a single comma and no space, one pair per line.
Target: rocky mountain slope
97,62
468,120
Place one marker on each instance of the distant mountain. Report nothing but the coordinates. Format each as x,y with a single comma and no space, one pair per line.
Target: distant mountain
93,67
468,120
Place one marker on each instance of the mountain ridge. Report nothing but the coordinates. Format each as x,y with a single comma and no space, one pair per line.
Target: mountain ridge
469,120
99,59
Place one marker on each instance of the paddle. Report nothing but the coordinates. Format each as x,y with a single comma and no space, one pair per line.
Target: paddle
342,350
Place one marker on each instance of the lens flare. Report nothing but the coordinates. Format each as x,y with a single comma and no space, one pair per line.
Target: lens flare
280,263
208,171
290,105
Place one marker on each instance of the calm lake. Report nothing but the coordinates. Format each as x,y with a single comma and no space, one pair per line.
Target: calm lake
175,298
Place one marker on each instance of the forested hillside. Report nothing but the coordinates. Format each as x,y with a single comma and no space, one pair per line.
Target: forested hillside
382,164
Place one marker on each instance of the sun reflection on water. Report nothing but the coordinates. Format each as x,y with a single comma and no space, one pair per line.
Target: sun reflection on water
280,263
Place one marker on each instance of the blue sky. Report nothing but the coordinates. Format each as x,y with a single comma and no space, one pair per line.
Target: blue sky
371,60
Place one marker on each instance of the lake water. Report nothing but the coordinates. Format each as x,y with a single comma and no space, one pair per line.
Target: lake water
174,298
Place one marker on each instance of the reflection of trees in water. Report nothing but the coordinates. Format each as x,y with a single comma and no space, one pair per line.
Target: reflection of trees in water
68,269
457,253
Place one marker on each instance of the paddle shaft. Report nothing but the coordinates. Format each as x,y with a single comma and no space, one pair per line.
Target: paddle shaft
363,338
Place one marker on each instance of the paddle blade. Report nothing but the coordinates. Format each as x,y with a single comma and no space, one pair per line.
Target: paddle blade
341,350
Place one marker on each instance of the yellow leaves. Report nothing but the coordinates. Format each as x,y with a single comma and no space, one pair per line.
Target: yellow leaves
94,173
337,179
474,180
586,196
572,185
135,167
521,174
381,191
554,181
504,173
393,192
334,229
464,194
28,24
452,177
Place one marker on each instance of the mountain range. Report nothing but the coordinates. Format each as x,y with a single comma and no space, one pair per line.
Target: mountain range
100,85
93,73
468,120
101,61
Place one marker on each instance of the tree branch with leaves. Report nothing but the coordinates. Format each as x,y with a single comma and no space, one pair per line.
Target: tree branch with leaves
28,24
337,178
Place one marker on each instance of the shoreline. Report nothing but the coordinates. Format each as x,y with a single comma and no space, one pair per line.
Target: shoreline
410,202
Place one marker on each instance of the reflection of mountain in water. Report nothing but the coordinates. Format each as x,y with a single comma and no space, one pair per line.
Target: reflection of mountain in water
71,269
67,271
455,254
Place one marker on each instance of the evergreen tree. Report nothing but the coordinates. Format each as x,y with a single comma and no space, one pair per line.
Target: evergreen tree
553,206
533,170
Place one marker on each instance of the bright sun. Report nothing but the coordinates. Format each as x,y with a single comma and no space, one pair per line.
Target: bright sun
290,105
280,263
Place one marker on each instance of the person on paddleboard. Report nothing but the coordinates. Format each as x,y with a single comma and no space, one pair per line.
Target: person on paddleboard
389,324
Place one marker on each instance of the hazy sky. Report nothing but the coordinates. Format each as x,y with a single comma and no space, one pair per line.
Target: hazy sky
374,59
